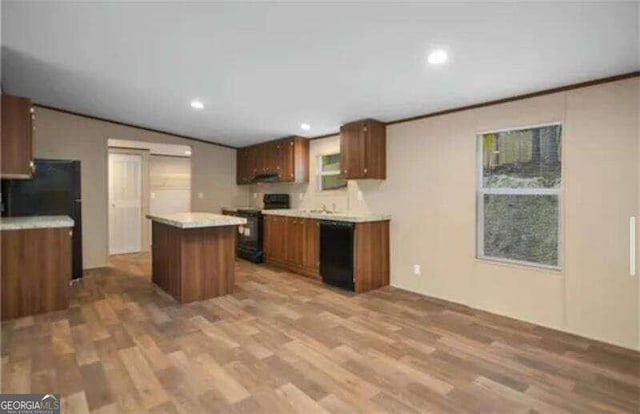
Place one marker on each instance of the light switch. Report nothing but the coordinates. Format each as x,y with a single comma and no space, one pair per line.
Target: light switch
200,195
359,195
153,195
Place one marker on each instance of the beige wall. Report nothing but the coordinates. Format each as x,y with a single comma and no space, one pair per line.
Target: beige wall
430,192
170,184
64,136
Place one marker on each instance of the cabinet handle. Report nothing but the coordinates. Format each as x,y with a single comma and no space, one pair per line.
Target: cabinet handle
32,166
71,233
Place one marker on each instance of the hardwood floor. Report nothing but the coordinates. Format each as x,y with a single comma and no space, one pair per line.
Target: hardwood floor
284,343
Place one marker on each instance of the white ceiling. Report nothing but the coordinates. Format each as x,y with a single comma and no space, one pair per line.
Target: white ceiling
261,69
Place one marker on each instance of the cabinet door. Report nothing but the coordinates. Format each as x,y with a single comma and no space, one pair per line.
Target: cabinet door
274,238
252,166
241,166
17,130
260,159
286,155
311,244
292,235
375,145
353,150
267,237
271,158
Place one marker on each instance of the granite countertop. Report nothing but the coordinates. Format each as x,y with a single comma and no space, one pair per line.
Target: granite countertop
192,220
333,216
35,222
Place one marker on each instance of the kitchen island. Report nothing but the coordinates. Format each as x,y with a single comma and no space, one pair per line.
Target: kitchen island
193,254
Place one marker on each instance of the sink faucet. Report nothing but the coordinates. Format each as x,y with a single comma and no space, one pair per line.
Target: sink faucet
324,208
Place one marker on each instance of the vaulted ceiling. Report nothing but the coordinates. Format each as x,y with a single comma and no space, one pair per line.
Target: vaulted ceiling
262,69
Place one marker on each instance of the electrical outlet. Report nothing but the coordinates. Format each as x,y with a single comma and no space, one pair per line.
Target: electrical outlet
153,195
200,195
416,270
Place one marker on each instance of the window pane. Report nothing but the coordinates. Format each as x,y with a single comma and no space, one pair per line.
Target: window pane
521,227
333,182
526,158
330,163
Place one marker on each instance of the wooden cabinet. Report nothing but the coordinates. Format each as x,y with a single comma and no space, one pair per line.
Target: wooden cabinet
310,251
274,238
242,163
17,137
287,159
363,150
371,256
292,243
36,270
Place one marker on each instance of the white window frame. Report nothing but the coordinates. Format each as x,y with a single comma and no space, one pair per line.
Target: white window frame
322,173
481,191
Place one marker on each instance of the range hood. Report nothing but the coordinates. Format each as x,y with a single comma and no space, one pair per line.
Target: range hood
266,178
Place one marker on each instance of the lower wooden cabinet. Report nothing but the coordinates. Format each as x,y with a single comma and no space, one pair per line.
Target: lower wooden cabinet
371,251
293,243
36,270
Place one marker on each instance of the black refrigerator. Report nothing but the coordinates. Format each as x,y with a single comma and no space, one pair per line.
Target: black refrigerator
53,190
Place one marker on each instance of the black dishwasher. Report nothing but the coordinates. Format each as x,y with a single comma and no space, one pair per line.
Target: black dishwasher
336,253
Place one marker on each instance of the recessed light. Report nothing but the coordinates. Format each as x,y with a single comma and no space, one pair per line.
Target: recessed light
196,104
305,127
437,57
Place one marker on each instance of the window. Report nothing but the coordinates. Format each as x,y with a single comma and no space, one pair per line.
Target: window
329,177
519,189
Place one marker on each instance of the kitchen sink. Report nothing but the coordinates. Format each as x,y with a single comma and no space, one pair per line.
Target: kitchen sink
320,212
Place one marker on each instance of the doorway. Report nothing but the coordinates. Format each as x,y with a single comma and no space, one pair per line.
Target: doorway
125,203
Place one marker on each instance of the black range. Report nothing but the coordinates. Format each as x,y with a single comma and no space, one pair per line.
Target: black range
250,235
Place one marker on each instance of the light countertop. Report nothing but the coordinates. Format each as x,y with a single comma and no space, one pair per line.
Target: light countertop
192,220
35,222
333,216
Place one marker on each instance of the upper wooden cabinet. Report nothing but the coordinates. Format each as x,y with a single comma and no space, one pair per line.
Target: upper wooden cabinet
244,169
363,150
285,160
17,137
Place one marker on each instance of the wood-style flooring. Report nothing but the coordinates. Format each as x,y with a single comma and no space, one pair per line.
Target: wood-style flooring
283,343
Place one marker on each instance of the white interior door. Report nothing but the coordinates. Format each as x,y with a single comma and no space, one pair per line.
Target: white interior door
125,203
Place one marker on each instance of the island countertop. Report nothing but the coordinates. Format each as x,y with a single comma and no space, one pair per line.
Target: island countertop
193,220
35,222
